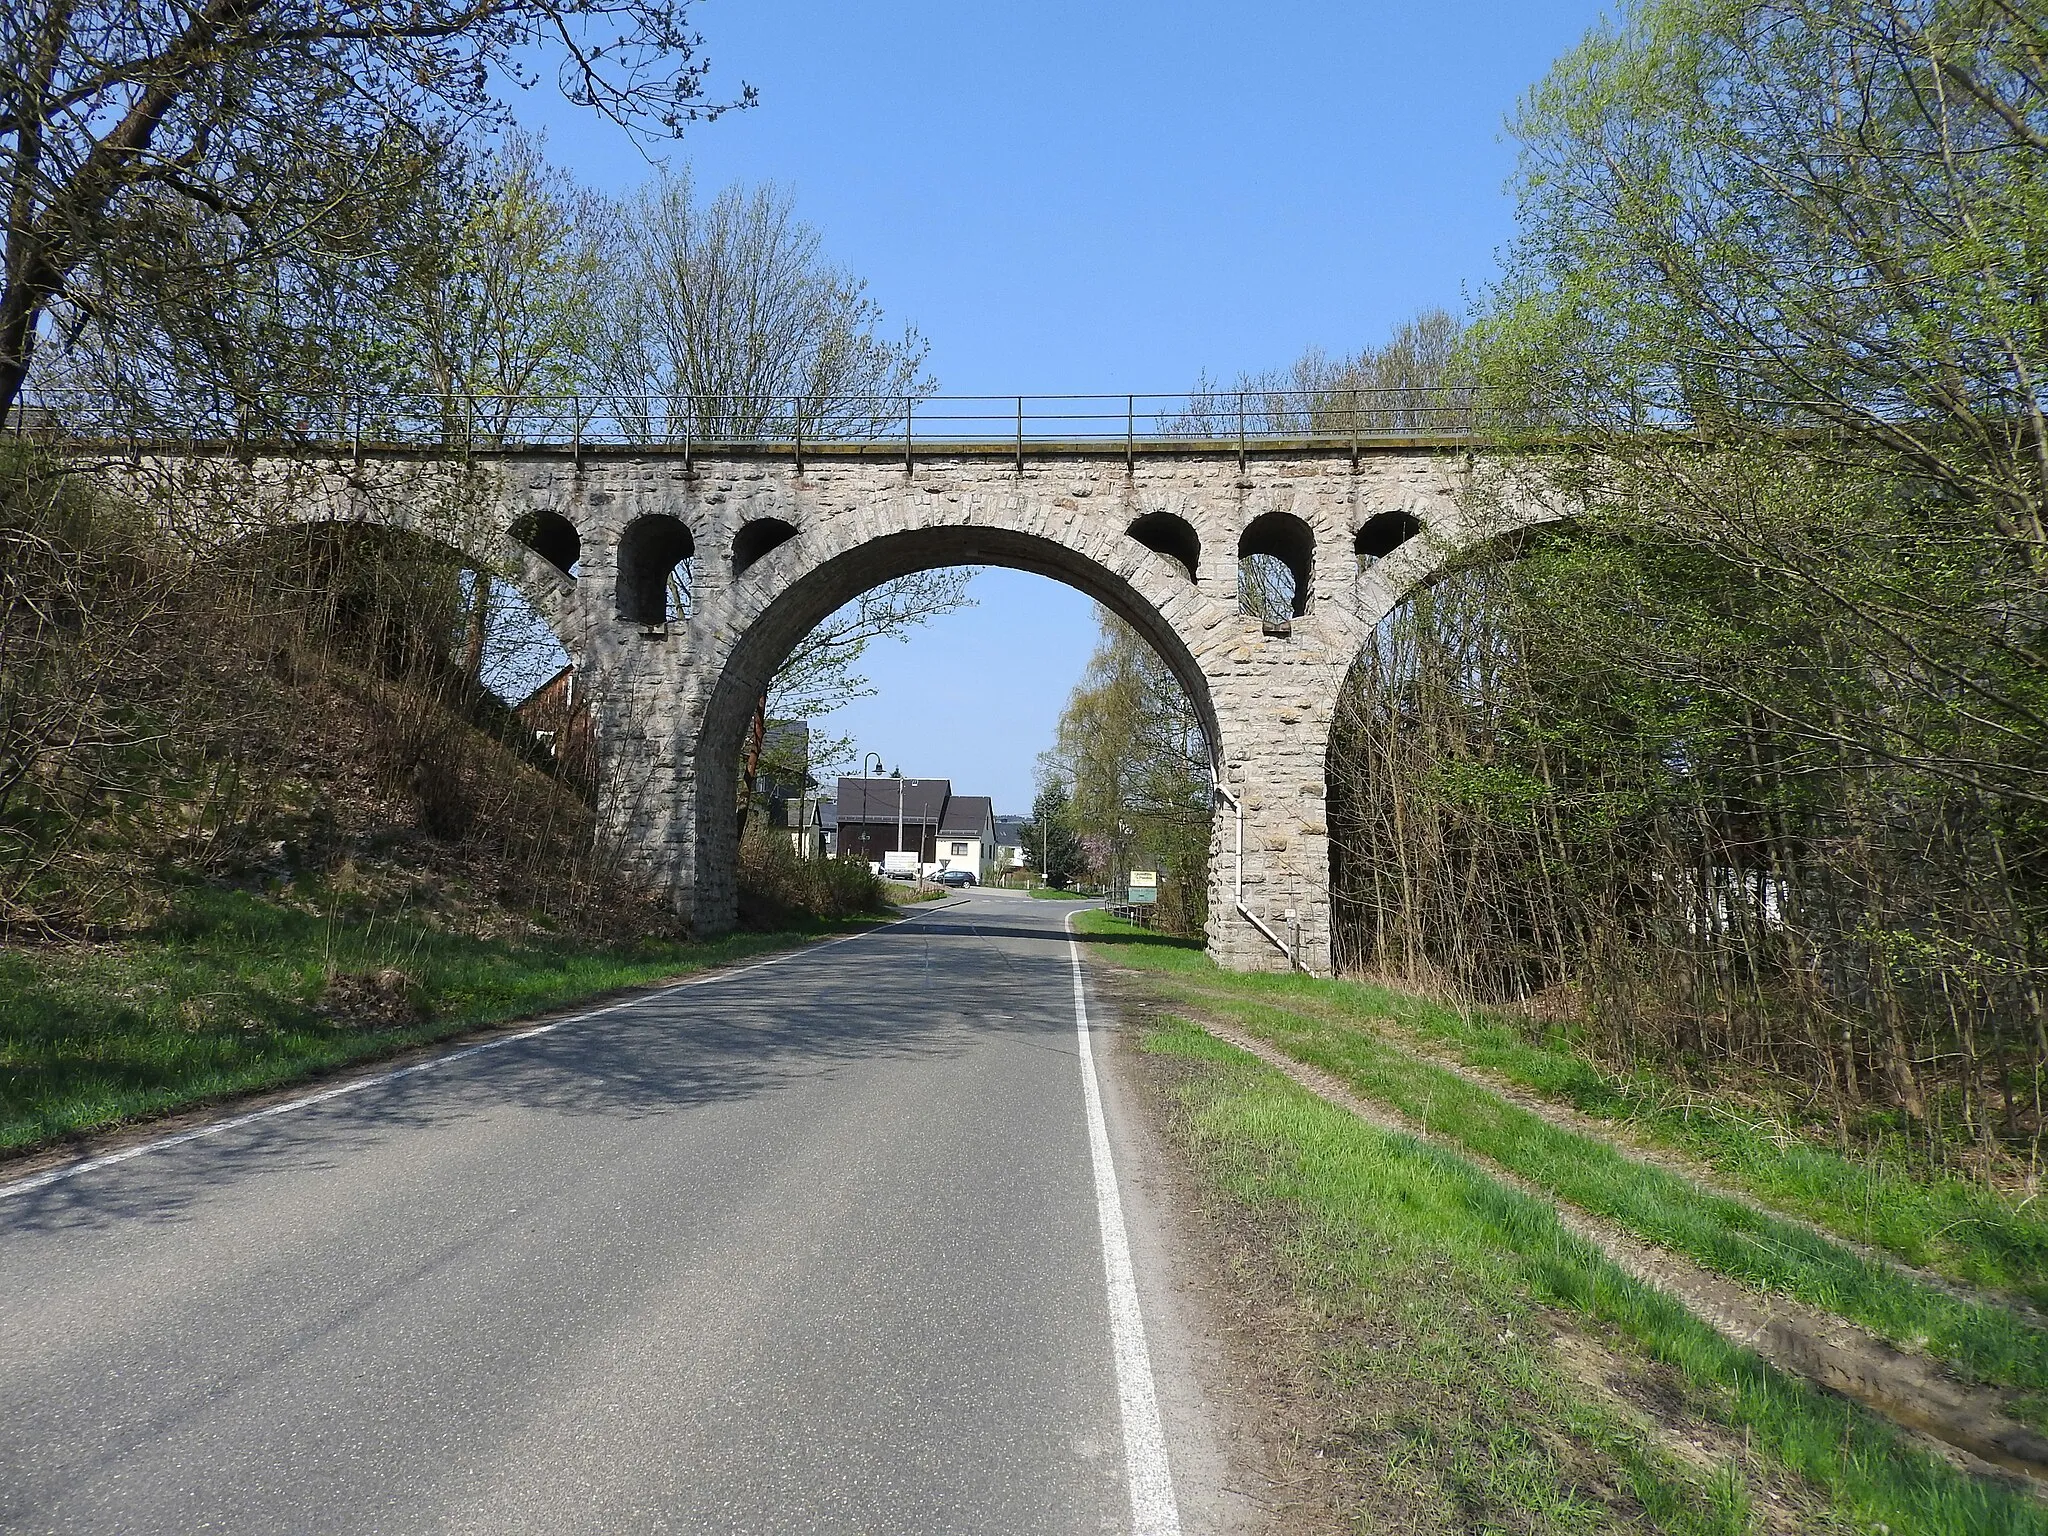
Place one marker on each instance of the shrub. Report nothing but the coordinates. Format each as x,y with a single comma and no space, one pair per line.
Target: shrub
775,885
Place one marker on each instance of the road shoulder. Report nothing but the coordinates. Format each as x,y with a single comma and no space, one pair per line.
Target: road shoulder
1234,1368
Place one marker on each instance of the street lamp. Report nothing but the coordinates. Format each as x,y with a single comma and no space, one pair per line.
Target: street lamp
865,780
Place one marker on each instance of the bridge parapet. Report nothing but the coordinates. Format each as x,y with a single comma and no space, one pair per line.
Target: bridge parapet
899,427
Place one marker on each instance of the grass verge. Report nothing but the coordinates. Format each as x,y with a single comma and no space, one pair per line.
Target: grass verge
1982,1340
1945,1224
1465,1400
237,993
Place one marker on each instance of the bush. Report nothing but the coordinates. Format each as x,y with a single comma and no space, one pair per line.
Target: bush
775,885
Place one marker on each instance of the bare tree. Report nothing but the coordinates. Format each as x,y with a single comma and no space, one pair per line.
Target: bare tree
1412,382
725,319
819,675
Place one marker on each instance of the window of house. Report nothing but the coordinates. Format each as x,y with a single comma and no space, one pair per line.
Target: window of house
959,848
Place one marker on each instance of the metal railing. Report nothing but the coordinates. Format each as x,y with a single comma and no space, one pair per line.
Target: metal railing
1330,418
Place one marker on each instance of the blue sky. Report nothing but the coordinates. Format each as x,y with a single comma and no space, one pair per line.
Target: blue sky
1105,197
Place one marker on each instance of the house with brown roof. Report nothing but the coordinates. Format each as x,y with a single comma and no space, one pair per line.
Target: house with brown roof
880,816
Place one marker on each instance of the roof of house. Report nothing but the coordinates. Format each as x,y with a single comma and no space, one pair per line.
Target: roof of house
1010,829
538,697
792,738
875,801
828,815
967,815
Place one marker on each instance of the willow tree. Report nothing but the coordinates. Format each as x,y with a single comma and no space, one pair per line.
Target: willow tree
1131,746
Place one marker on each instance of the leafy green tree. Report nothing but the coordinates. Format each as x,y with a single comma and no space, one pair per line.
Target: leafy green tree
1050,841
187,317
1132,746
1811,233
509,313
1749,765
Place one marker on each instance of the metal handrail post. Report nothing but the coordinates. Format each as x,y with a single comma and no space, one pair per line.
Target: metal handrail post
798,410
1020,437
1354,429
576,416
909,402
1130,434
1240,432
1244,911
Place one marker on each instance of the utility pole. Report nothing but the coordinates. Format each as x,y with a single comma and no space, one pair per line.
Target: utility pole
899,815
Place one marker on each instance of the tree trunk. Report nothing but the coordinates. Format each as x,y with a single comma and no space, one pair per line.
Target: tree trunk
757,733
479,622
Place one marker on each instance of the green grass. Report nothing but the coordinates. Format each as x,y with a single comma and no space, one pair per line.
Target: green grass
1047,893
1982,1340
1463,1268
222,999
1944,1224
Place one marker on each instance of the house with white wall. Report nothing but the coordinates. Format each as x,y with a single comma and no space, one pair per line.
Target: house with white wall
967,835
1010,843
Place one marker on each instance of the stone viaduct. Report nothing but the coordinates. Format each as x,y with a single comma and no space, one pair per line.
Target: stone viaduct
779,537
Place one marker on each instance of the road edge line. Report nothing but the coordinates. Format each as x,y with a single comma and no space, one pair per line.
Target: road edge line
57,1175
1153,1510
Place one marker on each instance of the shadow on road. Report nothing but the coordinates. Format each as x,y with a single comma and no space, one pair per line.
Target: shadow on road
914,990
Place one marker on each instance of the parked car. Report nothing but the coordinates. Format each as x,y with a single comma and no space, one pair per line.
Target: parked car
957,877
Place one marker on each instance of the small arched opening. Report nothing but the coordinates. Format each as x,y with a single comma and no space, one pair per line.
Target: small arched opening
653,579
1275,563
1171,536
756,539
551,536
1383,534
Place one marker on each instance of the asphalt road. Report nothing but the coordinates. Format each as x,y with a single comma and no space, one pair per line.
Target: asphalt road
815,1247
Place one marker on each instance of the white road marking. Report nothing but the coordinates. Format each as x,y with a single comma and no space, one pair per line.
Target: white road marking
1153,1511
56,1175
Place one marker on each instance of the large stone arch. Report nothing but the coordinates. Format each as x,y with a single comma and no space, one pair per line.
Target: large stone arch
1403,550
773,615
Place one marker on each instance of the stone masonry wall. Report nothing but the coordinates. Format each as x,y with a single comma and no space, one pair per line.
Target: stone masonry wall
670,700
